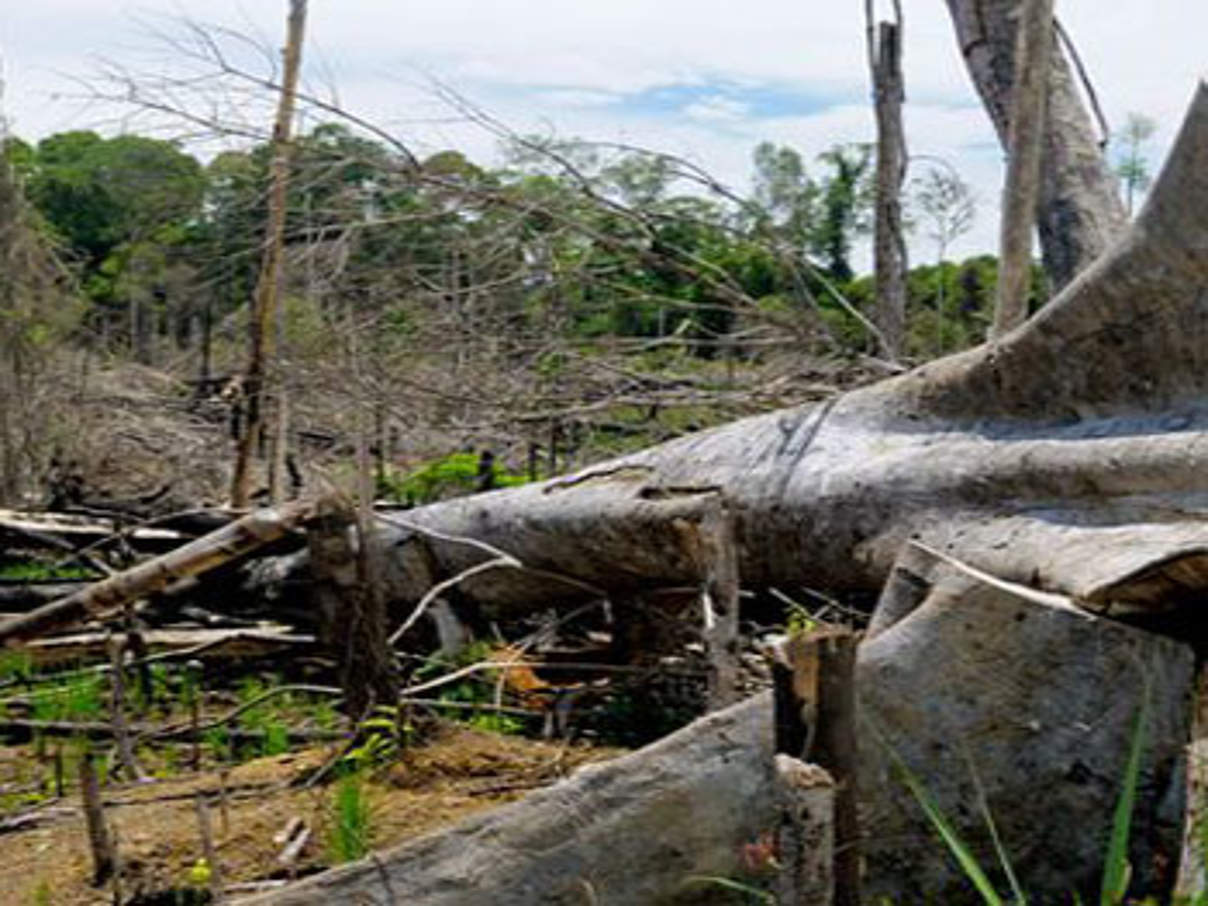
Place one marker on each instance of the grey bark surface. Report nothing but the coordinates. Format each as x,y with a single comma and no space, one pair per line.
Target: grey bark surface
633,830
889,248
1080,211
981,686
1025,140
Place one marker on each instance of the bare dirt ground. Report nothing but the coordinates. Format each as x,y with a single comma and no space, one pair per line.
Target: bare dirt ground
457,772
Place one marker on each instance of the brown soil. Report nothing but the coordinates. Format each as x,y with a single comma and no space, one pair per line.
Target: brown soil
458,772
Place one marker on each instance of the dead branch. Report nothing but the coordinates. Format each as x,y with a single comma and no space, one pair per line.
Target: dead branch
103,599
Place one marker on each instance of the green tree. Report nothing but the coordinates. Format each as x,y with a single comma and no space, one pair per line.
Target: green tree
1132,164
844,207
98,193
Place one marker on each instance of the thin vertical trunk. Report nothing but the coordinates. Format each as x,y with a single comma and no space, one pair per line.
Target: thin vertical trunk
104,856
1021,191
889,247
1080,213
268,286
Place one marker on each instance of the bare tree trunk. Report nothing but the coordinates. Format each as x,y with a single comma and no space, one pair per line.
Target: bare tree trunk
352,610
1080,212
889,247
104,857
1034,48
268,286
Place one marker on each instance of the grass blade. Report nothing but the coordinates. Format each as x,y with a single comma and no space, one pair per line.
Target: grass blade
730,884
1003,860
963,855
1116,870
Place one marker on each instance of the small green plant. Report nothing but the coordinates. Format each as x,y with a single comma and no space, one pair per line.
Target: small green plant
276,738
324,715
350,833
797,620
77,699
42,894
218,741
448,476
33,571
382,737
15,666
494,722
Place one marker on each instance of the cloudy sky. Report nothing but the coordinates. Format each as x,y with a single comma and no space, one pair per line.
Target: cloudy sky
706,79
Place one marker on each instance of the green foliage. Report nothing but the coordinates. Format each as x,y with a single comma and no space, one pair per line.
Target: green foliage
324,715
77,700
798,620
42,894
494,722
438,479
350,833
276,738
218,741
15,665
34,571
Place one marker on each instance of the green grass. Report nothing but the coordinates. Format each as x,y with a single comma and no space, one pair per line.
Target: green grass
350,832
80,699
276,739
33,571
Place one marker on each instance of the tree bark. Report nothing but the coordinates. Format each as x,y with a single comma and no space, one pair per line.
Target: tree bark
268,285
1033,50
352,612
889,246
645,828
1080,213
1051,458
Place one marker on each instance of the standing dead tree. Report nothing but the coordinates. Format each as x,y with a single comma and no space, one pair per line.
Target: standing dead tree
1080,213
889,246
1033,50
268,287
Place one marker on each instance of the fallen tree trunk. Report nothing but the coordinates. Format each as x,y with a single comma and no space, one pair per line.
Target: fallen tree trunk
986,690
643,828
1067,461
1080,433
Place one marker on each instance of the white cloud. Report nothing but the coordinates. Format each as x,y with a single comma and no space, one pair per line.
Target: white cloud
581,68
717,108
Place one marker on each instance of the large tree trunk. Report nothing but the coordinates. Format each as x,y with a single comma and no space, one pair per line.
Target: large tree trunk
1080,211
1069,456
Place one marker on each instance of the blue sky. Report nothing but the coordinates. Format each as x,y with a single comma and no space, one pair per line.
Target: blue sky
705,79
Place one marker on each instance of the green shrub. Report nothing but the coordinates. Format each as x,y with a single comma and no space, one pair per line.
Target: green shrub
437,479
